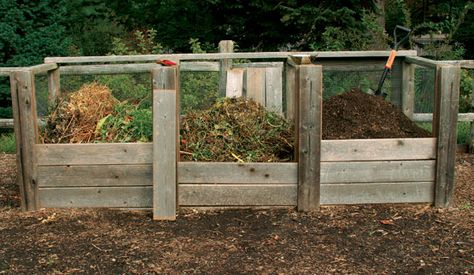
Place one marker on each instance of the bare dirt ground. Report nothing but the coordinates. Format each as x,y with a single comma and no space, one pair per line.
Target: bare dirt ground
414,239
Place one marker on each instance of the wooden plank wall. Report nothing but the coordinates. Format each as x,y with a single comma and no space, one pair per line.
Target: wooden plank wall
262,83
378,171
346,178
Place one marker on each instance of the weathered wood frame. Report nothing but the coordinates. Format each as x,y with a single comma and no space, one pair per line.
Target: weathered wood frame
150,175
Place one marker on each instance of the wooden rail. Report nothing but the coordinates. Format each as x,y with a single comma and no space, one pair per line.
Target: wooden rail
222,56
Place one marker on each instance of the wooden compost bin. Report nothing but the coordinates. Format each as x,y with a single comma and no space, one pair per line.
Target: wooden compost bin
149,175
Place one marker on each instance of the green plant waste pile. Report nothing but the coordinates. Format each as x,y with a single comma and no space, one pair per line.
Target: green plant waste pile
233,129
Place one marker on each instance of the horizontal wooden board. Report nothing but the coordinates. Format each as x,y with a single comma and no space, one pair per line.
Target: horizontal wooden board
237,195
361,193
421,61
134,68
89,154
228,172
200,66
124,197
94,175
428,117
240,195
378,171
218,56
188,172
378,149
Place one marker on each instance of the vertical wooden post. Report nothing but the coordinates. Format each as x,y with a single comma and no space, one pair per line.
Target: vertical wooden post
471,136
396,80
225,46
165,142
449,80
26,133
408,89
310,84
291,90
54,85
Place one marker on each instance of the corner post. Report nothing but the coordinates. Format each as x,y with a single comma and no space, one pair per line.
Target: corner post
447,100
26,132
225,46
165,142
310,87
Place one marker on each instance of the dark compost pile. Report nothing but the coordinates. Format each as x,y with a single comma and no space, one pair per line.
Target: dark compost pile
357,115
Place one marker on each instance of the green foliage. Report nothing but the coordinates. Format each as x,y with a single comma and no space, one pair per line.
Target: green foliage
29,31
199,90
7,143
465,93
141,42
396,13
462,131
129,88
92,25
128,123
367,35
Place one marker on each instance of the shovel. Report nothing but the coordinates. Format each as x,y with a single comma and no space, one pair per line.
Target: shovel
391,57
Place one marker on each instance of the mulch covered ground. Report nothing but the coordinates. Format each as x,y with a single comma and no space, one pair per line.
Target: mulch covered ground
346,239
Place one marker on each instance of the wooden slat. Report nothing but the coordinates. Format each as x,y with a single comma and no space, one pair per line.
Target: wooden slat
237,195
396,83
255,84
134,68
200,66
408,89
123,197
377,171
5,71
378,149
94,175
421,61
367,64
107,69
26,133
165,142
225,47
218,56
54,85
17,129
235,173
257,65
309,135
361,193
291,91
6,122
235,81
242,173
446,149
43,68
90,154
428,117
274,89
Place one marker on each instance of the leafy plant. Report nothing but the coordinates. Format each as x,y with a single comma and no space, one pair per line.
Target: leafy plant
7,143
126,124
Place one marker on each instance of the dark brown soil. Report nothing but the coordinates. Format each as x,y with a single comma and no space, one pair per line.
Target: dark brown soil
370,239
359,115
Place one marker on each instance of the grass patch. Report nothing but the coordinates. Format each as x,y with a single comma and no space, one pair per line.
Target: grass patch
463,129
7,143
